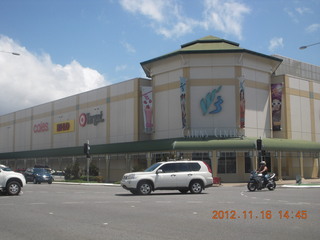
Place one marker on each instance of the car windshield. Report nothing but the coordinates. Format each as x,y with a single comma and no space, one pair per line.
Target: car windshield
40,170
5,168
152,167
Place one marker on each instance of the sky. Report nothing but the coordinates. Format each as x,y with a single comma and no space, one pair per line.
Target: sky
68,47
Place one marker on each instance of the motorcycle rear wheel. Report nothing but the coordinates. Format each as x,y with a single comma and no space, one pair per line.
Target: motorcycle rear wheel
252,186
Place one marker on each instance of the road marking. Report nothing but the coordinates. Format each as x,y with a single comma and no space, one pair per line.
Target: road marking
40,203
163,201
72,202
194,201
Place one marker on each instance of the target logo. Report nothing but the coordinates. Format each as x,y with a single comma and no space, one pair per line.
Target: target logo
83,119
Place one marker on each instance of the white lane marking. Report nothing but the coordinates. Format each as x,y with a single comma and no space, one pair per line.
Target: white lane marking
72,202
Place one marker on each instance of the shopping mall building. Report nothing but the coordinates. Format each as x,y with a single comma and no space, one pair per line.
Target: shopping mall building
209,100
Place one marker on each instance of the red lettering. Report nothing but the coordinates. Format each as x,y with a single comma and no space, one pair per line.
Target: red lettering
41,127
61,127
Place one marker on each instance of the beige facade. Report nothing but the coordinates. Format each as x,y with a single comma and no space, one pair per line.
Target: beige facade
113,118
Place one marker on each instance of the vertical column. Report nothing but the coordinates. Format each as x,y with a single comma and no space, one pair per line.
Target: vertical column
214,164
278,154
107,172
315,168
301,165
149,159
128,163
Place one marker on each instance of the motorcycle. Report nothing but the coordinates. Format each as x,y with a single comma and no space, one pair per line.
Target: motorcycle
258,181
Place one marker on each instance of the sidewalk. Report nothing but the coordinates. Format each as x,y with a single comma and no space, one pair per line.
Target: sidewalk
306,183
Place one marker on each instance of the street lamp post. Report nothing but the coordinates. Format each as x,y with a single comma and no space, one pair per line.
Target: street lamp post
304,47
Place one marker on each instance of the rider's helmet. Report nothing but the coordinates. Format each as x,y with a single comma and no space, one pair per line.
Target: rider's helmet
262,163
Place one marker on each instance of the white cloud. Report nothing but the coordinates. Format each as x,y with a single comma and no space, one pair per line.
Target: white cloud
313,28
121,68
225,16
166,17
275,43
153,9
29,80
128,47
303,10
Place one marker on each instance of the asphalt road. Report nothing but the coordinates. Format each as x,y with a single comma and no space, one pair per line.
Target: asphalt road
77,212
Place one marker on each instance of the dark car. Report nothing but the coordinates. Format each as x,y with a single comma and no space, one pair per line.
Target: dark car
38,175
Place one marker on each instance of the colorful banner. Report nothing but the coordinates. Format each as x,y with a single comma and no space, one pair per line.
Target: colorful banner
276,97
147,103
242,105
63,127
183,82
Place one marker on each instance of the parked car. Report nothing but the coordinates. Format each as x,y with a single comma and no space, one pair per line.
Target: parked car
11,182
38,175
193,176
58,175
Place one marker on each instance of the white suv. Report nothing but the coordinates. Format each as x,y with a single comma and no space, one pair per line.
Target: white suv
173,175
11,182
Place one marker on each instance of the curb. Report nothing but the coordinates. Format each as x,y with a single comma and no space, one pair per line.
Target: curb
89,184
300,186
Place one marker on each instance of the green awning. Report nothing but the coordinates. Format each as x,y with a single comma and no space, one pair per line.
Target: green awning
178,144
276,144
268,144
222,144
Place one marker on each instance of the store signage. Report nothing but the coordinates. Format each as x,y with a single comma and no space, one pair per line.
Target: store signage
212,132
211,99
41,127
64,127
87,118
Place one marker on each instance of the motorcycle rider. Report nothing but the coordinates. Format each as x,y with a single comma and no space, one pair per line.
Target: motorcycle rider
264,170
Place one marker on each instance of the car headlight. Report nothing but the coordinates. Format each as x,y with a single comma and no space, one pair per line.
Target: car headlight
131,176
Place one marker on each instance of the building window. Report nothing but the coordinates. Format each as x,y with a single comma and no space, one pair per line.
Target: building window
248,163
227,162
203,156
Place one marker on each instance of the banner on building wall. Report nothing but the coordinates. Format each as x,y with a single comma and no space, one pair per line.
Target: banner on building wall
63,127
242,105
276,97
147,103
183,82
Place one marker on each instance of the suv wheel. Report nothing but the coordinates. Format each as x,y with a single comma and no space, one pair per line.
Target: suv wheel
13,188
144,188
196,187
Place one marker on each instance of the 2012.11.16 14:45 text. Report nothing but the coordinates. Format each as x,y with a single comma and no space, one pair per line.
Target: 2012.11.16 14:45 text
264,214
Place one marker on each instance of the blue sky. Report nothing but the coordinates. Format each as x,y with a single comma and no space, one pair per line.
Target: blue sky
72,46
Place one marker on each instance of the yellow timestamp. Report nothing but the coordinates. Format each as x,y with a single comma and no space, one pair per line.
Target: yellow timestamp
264,214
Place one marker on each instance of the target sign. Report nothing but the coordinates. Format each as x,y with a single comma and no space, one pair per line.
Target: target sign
83,119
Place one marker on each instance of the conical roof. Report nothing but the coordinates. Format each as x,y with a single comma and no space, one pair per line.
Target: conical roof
208,44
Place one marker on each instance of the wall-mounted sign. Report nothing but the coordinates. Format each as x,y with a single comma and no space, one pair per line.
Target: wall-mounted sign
276,96
41,127
147,103
87,118
211,102
63,127
212,132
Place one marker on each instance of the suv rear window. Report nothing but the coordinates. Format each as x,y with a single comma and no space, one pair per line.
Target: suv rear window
195,167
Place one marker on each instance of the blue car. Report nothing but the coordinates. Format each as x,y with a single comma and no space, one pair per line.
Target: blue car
38,175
